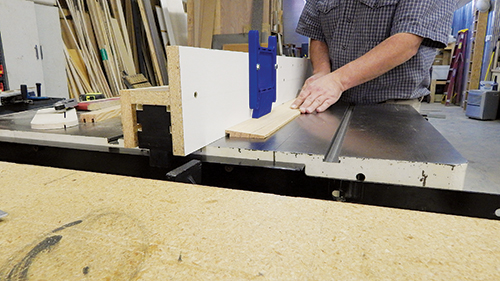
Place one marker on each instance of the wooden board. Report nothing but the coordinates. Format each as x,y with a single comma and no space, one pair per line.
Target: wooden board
235,16
266,125
207,23
478,33
100,115
98,104
239,47
208,93
108,227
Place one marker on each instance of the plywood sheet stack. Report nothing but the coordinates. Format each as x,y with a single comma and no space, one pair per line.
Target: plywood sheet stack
97,49
109,39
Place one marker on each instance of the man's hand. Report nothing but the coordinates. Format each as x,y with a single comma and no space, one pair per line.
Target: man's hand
324,89
319,92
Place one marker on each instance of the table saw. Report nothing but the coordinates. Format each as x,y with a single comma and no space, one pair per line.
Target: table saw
386,155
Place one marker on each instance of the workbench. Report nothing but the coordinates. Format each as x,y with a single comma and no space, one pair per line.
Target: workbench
73,225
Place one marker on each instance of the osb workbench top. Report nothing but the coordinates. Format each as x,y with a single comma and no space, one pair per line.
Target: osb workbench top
73,225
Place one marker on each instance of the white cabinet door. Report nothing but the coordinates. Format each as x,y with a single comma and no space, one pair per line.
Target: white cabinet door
51,44
23,64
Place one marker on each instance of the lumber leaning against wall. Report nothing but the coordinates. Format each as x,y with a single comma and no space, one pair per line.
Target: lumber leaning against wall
207,94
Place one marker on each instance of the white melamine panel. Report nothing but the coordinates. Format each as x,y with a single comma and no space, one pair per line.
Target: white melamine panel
215,91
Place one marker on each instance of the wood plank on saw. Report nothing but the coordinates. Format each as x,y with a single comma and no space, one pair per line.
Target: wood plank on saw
265,126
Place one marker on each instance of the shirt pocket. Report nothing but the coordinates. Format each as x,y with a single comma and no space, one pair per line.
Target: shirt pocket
329,15
326,6
377,18
375,4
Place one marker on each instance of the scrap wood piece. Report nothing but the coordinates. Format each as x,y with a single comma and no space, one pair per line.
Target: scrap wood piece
136,81
266,125
100,115
98,104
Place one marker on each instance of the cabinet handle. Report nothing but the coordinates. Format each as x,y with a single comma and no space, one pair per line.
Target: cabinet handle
41,52
36,52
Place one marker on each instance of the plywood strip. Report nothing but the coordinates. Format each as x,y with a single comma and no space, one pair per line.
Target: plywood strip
208,23
266,125
190,22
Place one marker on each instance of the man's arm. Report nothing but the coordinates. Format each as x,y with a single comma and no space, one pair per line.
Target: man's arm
320,60
324,90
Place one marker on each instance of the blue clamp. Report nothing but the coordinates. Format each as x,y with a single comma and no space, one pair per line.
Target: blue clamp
262,63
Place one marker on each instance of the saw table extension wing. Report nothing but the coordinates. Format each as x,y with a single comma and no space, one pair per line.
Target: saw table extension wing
390,144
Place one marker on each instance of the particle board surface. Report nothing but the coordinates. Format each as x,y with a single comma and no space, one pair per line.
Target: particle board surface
73,225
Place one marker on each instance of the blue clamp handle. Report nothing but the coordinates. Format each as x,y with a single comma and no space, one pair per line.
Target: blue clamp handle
262,63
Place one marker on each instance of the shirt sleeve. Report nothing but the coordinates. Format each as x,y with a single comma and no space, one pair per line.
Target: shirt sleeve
429,19
309,24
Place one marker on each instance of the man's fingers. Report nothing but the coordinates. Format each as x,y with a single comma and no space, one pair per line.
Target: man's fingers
311,103
325,105
304,93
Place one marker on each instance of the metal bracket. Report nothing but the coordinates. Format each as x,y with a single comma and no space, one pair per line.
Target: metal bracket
187,173
262,63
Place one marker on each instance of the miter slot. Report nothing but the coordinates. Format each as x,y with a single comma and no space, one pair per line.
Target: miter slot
334,151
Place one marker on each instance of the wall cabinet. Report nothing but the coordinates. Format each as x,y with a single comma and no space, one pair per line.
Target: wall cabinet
32,46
